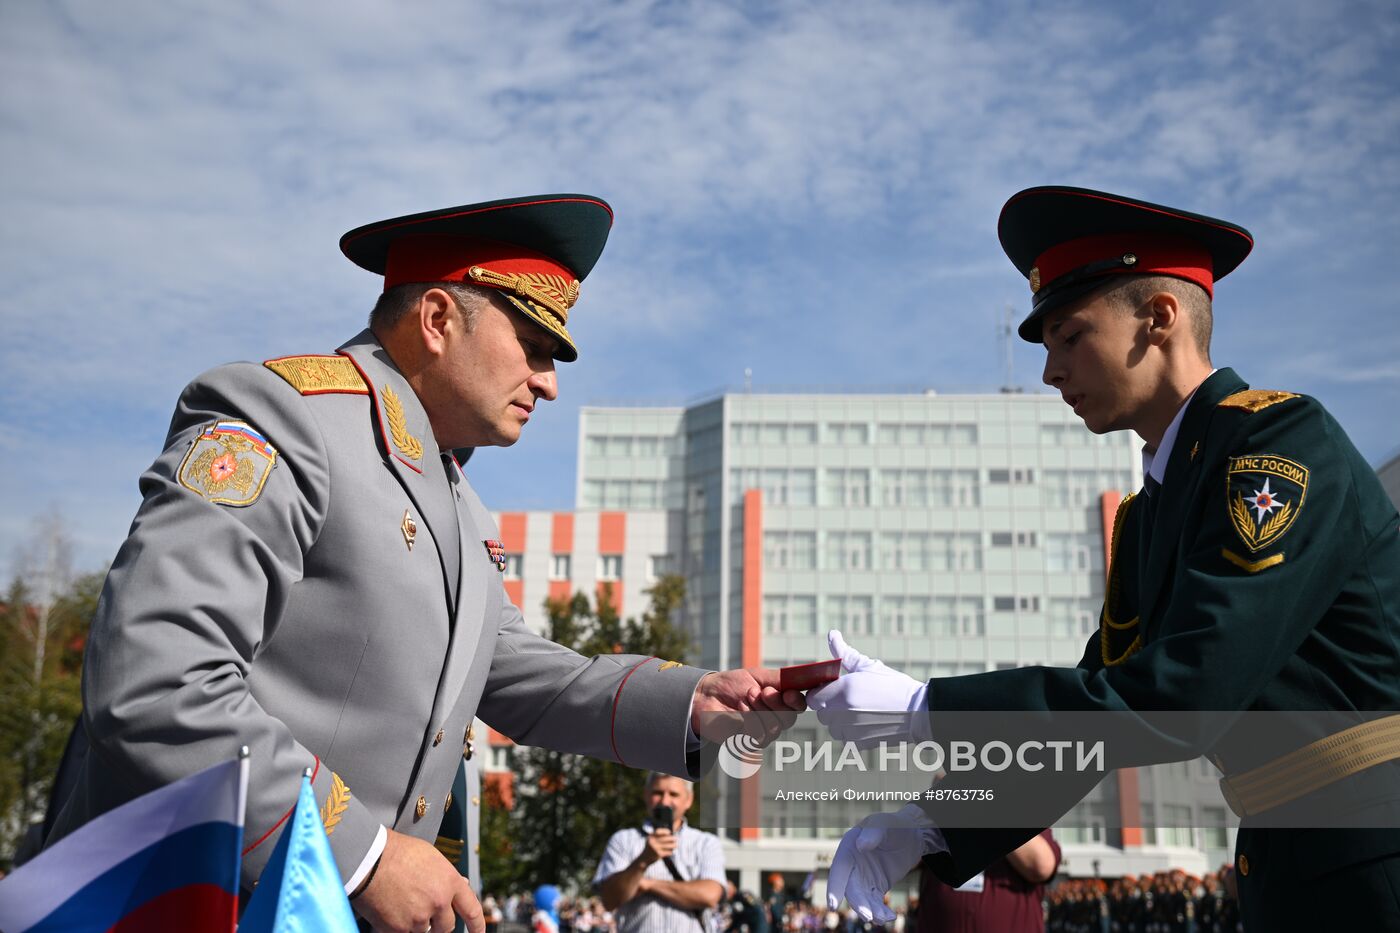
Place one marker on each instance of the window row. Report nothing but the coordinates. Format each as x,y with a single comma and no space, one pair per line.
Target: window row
642,446
609,567
950,488
856,615
633,494
1076,435
922,550
850,433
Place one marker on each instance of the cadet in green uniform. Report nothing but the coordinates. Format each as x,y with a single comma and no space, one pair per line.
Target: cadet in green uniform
1258,570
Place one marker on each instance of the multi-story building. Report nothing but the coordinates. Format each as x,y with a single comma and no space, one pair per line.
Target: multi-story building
946,534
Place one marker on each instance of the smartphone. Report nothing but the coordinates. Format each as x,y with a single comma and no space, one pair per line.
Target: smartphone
663,817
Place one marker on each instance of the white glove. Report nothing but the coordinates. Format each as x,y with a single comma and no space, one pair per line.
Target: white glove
893,707
874,854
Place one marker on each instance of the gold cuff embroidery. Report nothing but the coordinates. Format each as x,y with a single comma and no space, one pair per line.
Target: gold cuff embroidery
337,801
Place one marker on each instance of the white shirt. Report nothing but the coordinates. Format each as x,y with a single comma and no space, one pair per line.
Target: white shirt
1154,462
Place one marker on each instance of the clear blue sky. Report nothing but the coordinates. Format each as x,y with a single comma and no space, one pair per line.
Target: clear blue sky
809,192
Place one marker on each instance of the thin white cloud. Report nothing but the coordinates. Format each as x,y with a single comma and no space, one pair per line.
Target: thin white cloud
805,188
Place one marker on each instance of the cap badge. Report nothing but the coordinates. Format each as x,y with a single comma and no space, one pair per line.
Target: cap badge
1035,279
554,292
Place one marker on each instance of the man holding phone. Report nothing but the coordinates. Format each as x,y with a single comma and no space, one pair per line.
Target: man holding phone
663,876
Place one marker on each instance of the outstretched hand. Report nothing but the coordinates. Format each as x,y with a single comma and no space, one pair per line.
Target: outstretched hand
747,700
871,702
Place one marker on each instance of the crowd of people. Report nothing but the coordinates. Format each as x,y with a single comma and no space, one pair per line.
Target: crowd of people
1165,902
743,913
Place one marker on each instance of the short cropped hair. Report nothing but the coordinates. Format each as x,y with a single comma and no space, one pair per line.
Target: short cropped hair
654,776
398,301
1135,290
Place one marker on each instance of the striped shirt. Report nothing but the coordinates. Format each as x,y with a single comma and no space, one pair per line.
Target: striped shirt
698,855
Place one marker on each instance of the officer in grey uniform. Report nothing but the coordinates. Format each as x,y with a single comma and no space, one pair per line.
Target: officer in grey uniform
311,575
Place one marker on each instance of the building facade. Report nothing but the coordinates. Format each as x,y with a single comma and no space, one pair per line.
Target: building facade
944,534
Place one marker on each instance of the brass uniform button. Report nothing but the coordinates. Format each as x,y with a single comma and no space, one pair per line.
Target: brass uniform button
448,804
1244,865
437,739
476,801
469,734
421,810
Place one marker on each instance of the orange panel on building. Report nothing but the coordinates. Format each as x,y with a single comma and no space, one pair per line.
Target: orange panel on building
612,532
562,533
612,539
752,628
753,579
513,532
560,589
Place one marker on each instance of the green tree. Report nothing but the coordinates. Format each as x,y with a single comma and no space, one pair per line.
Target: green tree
41,657
566,806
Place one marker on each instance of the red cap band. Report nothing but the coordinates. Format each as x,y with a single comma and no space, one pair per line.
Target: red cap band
1156,254
435,258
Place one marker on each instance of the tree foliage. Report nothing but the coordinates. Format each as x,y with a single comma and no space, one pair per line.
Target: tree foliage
41,658
566,806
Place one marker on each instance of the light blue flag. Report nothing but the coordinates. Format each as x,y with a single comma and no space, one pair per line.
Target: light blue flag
300,890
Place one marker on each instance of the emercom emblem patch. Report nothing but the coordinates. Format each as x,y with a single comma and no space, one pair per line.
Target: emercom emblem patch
1264,494
228,463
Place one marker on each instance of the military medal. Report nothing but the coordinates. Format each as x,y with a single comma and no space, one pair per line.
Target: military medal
497,552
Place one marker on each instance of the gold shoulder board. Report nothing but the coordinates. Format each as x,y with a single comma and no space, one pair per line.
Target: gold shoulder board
1252,400
319,375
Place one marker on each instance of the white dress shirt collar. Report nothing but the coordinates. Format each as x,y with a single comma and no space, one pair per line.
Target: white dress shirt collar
1154,462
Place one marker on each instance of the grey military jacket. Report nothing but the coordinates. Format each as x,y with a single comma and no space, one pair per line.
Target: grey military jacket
308,577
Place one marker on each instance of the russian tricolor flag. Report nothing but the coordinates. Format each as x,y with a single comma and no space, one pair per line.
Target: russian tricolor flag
165,861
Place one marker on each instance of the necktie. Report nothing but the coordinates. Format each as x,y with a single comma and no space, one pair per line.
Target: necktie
1152,495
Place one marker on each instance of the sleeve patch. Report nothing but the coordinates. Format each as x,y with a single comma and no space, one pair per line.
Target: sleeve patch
228,463
319,375
1264,495
1252,400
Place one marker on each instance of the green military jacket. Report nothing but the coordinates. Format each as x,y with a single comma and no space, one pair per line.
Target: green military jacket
1268,578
